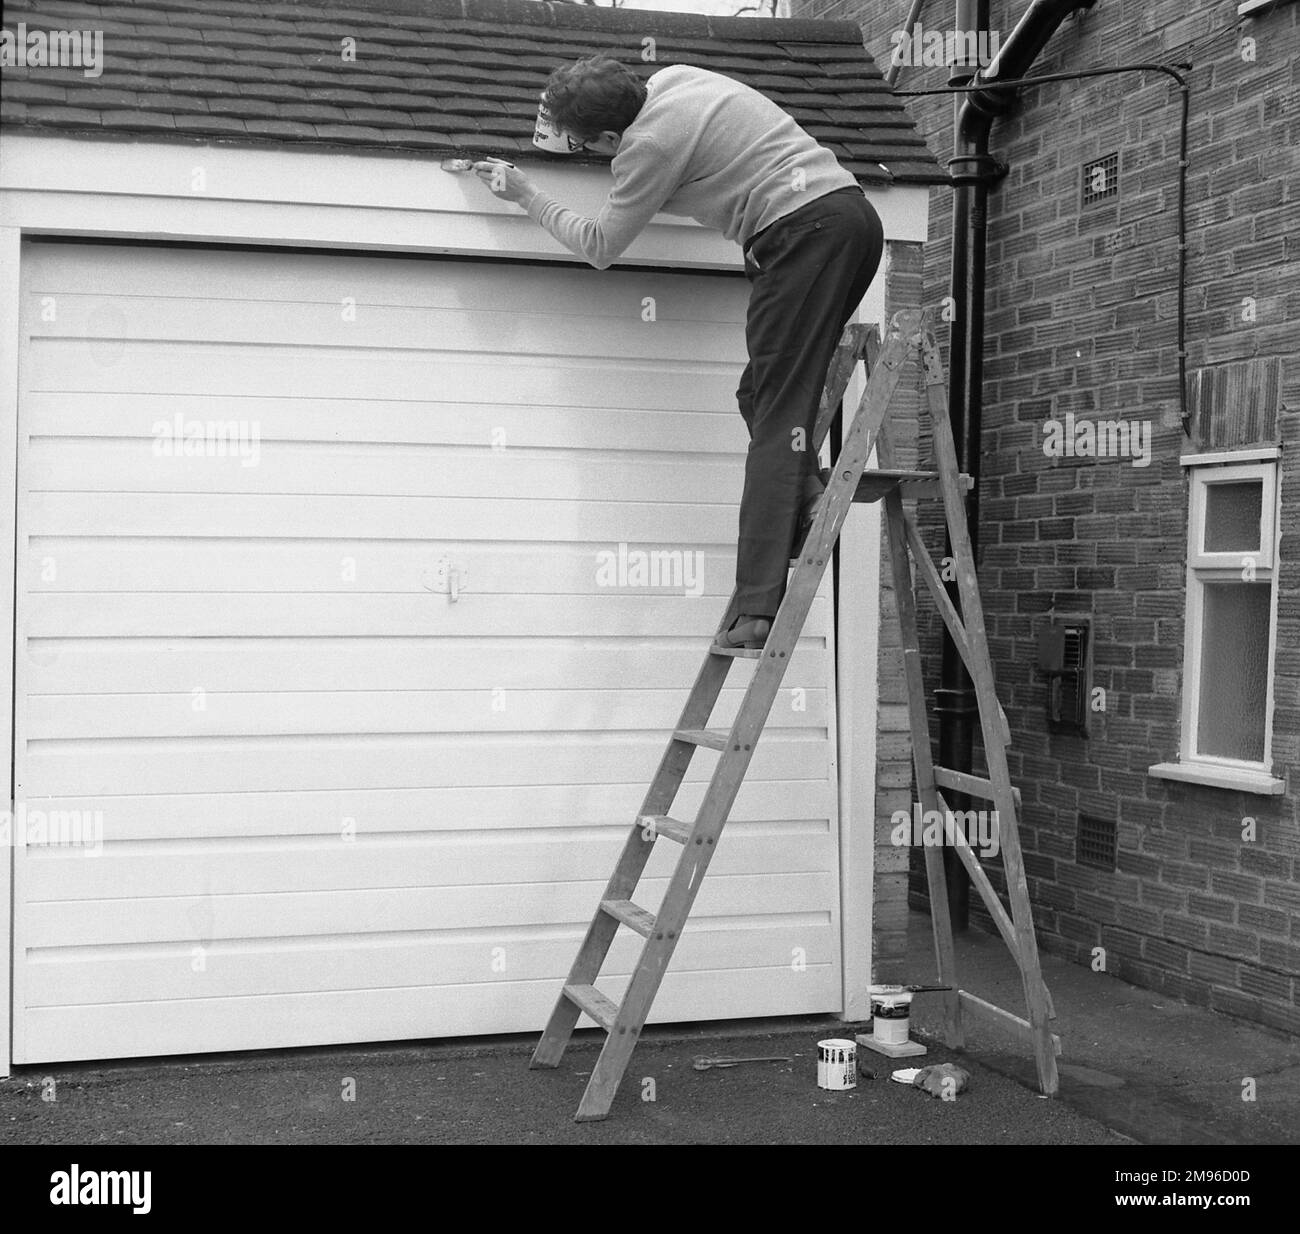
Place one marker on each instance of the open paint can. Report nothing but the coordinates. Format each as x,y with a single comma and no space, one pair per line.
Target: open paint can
891,1016
837,1063
547,137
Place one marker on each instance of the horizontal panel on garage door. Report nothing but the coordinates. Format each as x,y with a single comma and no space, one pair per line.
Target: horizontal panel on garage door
357,597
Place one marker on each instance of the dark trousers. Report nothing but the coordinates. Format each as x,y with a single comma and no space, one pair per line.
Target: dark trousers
808,271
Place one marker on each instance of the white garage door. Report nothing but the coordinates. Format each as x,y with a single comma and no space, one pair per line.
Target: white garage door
363,695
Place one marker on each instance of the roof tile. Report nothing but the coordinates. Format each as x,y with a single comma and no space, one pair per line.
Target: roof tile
65,117
135,119
245,107
91,96
428,138
311,112
210,124
350,133
29,89
273,90
341,96
206,20
379,117
172,34
177,102
204,87
433,74
135,49
292,130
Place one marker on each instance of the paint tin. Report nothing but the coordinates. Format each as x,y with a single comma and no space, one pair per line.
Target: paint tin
891,1018
546,136
837,1064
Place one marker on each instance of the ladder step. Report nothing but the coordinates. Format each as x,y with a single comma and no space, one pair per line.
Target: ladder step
876,484
594,1003
669,828
714,739
1003,1019
631,915
739,653
972,786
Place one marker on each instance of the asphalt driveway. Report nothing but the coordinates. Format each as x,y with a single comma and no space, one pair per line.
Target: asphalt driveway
483,1093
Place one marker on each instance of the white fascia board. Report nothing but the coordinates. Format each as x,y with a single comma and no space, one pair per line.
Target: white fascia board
234,194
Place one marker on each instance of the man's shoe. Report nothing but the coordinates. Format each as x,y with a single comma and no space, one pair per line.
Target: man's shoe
746,631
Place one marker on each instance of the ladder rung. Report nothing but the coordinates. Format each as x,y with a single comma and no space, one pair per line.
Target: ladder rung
631,915
712,738
669,828
594,1003
740,653
1004,1019
875,484
972,786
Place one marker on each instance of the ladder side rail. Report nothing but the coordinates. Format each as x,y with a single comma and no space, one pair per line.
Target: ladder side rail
632,861
919,726
957,838
848,351
923,766
991,714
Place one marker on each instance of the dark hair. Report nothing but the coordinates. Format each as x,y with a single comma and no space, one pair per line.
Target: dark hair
589,96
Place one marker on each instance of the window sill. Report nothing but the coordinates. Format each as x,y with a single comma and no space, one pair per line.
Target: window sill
1219,777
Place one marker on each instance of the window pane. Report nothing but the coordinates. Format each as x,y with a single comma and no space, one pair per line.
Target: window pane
1234,670
1232,516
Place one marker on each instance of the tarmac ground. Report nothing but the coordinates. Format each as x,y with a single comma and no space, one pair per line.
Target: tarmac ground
1136,1067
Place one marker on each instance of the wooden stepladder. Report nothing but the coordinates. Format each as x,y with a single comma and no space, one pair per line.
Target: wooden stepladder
850,481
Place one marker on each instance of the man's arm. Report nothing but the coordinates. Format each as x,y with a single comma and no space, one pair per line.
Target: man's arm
645,176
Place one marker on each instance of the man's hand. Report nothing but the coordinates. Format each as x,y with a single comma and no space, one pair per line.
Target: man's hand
505,181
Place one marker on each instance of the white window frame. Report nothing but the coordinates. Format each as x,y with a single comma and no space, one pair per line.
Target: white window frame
1203,567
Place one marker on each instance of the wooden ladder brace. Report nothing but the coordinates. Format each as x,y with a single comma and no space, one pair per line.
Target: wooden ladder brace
850,482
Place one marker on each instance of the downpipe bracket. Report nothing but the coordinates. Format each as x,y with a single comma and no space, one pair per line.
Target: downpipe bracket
978,168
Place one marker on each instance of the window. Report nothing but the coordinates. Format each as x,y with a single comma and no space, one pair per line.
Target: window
1231,620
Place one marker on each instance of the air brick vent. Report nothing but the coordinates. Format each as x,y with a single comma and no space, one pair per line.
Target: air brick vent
1100,180
1095,843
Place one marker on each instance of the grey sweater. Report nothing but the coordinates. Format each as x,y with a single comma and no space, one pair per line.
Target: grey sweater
706,147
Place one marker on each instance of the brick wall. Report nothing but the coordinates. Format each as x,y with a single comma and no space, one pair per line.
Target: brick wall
1080,316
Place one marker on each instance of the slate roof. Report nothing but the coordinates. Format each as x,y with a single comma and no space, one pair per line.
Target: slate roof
429,75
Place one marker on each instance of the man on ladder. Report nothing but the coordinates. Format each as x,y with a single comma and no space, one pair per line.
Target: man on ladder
695,143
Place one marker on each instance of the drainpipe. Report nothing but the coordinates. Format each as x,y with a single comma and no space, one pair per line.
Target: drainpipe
973,170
